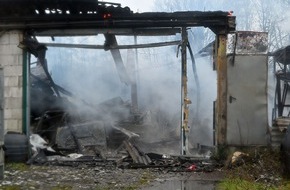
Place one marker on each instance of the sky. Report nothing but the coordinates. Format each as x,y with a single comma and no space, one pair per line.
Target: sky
135,5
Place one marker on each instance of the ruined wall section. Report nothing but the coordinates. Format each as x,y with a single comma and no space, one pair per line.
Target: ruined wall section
11,59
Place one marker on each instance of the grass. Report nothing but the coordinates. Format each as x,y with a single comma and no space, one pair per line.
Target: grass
260,170
18,187
110,187
242,184
10,187
62,187
17,166
146,178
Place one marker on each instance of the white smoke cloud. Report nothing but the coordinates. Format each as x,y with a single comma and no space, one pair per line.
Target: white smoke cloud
92,76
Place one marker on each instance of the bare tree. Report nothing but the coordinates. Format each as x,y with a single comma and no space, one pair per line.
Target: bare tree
251,15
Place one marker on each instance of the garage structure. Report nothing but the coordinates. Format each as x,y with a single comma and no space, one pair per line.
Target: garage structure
62,19
20,20
83,18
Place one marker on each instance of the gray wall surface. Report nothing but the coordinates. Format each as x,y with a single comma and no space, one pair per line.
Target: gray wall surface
247,112
11,58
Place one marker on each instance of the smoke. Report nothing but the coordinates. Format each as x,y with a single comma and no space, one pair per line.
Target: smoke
202,107
92,76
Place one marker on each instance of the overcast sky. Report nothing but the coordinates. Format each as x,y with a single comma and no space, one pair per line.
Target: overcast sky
135,5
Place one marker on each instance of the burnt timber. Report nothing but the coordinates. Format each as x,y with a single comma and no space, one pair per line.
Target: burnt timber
90,17
73,14
280,112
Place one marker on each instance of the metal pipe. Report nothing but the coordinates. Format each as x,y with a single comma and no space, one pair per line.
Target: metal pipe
26,93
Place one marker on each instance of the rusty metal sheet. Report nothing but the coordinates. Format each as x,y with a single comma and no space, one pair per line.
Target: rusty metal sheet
247,42
252,43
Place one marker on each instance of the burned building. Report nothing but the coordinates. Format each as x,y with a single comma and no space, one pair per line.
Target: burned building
25,87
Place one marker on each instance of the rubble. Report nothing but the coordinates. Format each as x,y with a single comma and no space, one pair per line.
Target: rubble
103,140
137,156
96,140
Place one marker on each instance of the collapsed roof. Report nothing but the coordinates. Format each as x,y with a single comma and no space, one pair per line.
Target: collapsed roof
91,14
282,55
78,17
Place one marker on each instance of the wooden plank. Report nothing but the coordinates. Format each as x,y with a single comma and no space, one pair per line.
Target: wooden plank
130,151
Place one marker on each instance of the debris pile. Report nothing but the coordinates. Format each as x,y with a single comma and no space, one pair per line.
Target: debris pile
68,131
127,156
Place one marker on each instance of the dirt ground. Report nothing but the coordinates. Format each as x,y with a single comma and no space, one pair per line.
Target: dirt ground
21,176
257,165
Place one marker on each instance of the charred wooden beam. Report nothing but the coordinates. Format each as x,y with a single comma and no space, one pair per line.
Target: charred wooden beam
184,94
221,105
86,46
136,155
39,51
132,72
116,31
111,44
64,15
217,24
132,152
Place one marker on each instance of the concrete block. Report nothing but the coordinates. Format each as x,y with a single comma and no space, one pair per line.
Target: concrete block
15,37
10,49
13,103
7,114
11,81
11,125
19,127
20,81
13,113
19,60
7,92
12,92
4,39
5,49
6,60
15,70
16,92
15,50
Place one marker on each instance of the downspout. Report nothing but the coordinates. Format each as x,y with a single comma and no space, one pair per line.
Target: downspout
25,93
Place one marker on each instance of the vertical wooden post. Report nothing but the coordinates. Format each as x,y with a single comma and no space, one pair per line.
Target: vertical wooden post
132,74
222,89
184,99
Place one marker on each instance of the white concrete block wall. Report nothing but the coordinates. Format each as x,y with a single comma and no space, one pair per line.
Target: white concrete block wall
11,60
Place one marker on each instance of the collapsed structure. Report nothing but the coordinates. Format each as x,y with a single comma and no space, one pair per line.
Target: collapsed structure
240,109
280,111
